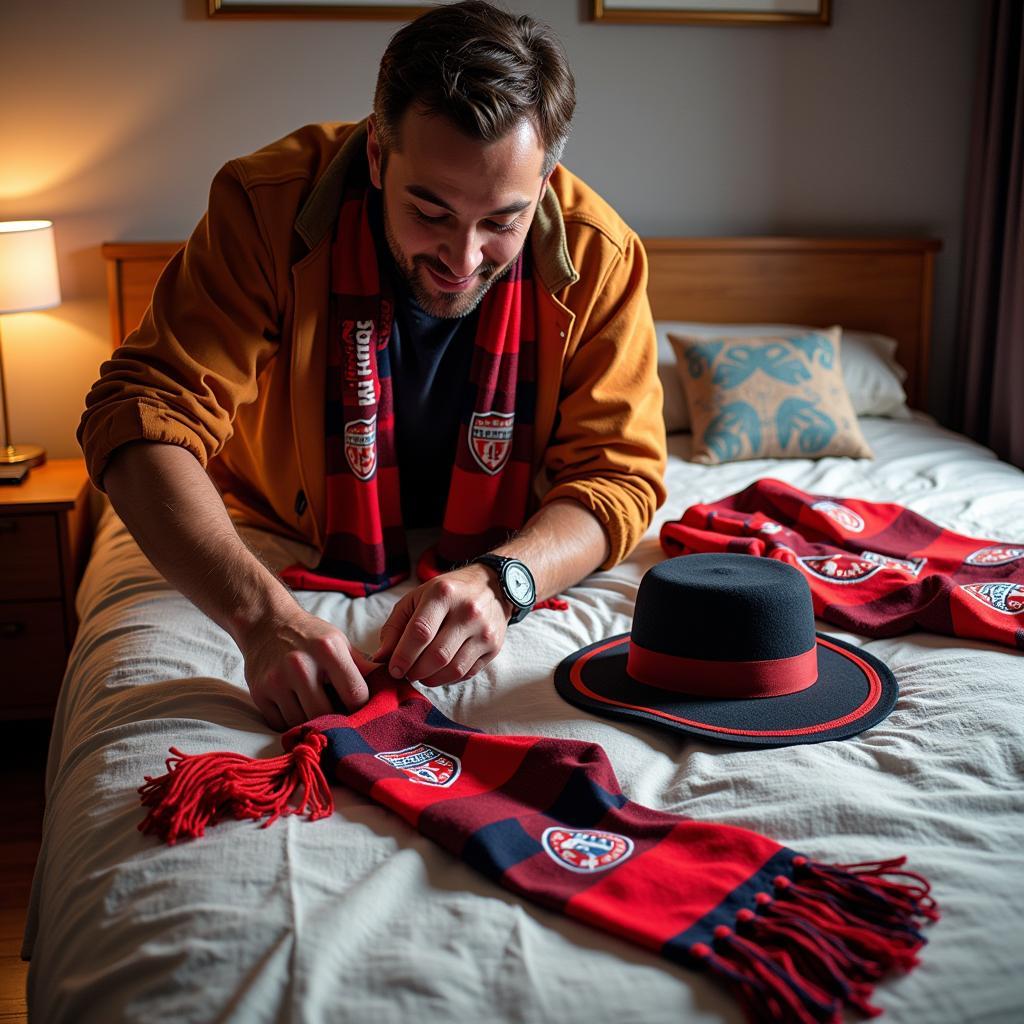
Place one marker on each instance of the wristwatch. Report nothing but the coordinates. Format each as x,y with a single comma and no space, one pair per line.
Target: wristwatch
516,581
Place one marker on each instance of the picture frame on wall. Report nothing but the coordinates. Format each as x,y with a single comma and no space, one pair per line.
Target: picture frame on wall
714,12
397,10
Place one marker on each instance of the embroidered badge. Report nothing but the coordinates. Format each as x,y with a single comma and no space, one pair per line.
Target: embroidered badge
994,554
839,568
911,565
585,850
361,447
424,764
1007,598
770,528
490,439
840,514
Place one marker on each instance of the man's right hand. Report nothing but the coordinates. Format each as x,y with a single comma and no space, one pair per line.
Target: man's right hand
173,510
291,657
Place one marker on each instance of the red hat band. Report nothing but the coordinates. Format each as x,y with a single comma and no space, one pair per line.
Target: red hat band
699,677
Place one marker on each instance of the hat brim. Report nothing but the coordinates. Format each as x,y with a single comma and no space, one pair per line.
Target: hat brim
853,692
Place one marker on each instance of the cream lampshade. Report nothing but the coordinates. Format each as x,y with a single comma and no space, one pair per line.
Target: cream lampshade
28,281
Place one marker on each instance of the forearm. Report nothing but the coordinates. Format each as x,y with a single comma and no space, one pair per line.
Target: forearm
171,507
561,543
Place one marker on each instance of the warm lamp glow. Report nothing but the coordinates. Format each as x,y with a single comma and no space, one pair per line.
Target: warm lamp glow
28,266
28,281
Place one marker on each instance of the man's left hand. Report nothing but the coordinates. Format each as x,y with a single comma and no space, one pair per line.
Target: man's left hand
447,629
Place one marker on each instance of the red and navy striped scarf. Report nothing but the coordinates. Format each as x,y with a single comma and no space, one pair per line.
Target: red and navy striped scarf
365,546
876,568
793,939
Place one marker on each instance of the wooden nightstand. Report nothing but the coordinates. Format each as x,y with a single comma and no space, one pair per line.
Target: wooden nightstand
45,530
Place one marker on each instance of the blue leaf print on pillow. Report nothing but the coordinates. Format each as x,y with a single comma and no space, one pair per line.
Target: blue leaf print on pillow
813,428
700,355
744,360
724,434
813,343
740,362
779,362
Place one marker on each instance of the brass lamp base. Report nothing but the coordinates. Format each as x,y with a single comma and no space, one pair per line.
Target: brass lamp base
22,454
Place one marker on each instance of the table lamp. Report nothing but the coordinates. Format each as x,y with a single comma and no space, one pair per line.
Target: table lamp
28,281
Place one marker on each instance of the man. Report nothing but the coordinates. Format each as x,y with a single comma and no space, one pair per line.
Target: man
418,320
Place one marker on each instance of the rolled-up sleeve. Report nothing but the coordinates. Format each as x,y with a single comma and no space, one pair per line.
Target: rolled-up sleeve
608,450
213,323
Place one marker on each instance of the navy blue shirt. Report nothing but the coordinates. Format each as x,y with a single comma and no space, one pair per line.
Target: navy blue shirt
430,362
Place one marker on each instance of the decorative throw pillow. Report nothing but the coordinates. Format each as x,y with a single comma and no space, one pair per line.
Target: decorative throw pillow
777,396
873,377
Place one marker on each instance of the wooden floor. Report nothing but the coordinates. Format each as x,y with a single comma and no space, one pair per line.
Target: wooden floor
22,769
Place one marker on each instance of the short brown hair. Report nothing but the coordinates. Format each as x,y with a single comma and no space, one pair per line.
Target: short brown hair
483,69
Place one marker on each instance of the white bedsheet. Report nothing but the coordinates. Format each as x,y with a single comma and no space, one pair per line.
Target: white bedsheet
358,918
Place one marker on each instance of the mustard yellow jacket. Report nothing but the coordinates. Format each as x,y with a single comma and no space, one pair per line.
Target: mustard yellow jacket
229,359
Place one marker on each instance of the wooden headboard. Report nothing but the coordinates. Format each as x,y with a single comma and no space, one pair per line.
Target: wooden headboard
882,285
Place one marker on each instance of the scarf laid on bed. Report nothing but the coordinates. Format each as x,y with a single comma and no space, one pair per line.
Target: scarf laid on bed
873,568
793,939
365,549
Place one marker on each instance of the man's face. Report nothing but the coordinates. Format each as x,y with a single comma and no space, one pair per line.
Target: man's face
456,210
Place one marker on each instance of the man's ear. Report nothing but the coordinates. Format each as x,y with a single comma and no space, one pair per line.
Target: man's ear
373,153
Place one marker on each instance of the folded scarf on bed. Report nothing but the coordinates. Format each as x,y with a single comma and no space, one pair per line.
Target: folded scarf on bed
874,568
793,939
365,548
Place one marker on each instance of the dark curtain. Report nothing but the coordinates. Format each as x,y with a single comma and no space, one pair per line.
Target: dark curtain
989,382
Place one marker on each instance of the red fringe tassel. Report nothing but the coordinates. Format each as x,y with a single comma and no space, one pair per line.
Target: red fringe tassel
822,941
201,789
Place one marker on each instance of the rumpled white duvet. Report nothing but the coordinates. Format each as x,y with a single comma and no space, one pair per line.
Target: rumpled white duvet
358,918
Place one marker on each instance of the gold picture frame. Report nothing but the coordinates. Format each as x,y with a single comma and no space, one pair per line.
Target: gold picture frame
390,10
714,12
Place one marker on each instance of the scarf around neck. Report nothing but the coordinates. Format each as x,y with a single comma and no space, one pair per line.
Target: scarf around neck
365,547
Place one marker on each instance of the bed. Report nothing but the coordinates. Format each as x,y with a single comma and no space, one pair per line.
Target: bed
359,918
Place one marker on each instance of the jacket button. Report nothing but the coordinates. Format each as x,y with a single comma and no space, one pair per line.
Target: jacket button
300,503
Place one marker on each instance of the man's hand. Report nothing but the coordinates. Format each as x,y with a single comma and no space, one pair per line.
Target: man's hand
446,630
290,659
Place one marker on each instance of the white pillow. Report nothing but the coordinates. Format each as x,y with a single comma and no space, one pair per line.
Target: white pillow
872,376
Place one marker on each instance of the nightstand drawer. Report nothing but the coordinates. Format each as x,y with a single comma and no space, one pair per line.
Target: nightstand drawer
29,558
33,651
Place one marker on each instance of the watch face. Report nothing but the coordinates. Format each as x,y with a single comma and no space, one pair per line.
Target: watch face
520,585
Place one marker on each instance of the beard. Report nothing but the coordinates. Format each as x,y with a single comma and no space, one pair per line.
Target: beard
444,305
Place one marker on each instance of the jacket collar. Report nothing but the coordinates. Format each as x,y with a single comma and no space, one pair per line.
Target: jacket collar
319,214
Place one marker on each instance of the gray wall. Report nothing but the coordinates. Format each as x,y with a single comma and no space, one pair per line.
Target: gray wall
116,114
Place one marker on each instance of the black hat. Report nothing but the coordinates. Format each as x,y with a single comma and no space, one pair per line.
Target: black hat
723,645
